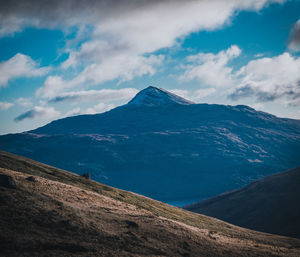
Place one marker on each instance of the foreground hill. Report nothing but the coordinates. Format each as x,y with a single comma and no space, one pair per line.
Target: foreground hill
51,212
270,205
159,143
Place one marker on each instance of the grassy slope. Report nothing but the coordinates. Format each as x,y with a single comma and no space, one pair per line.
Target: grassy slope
270,205
64,214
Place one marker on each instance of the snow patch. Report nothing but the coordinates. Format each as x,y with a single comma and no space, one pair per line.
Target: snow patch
153,96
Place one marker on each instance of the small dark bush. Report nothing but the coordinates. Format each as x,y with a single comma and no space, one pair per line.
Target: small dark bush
7,181
86,175
131,224
31,178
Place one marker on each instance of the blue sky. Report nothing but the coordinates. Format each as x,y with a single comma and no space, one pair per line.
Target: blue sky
76,57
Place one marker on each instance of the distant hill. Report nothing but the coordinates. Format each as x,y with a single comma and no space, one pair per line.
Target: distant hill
269,205
166,147
51,212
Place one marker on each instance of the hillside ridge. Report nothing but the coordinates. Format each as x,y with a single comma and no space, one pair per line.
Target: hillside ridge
269,204
60,213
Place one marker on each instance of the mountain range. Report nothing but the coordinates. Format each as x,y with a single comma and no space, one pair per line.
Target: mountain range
165,147
45,211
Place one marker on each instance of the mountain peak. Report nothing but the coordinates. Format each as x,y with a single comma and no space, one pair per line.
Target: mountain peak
153,96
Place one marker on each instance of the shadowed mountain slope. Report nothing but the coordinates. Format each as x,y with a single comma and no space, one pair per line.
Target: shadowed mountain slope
166,147
270,204
52,212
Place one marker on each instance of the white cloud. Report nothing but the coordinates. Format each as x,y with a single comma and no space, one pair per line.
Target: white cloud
270,79
202,93
176,17
53,85
259,55
105,95
194,95
73,112
181,92
46,113
119,35
262,79
99,108
116,47
122,67
19,66
5,105
212,69
257,106
294,40
25,102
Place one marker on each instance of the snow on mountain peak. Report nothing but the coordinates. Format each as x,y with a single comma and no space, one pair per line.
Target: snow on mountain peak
153,96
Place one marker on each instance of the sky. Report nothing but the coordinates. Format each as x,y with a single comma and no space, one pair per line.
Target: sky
64,58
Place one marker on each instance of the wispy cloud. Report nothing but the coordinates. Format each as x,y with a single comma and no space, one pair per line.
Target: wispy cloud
5,105
294,39
99,108
73,112
19,66
25,102
105,95
41,112
194,95
202,93
124,67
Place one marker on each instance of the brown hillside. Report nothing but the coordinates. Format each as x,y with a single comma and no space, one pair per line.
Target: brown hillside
270,205
57,213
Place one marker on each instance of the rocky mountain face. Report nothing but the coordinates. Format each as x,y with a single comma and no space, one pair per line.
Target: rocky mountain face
270,205
166,147
52,212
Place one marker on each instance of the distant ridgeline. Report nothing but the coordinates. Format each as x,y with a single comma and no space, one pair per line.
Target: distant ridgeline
270,205
166,147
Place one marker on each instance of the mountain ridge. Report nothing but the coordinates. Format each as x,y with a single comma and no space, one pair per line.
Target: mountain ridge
154,150
153,96
269,205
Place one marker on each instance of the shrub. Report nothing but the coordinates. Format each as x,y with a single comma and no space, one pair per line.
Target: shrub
86,175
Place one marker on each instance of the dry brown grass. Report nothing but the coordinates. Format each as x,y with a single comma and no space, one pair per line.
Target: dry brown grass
62,214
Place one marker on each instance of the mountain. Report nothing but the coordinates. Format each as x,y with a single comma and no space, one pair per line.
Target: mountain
51,212
165,147
270,205
153,96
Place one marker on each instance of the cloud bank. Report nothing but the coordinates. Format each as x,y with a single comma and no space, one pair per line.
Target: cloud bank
105,95
118,41
263,79
119,37
108,15
270,79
